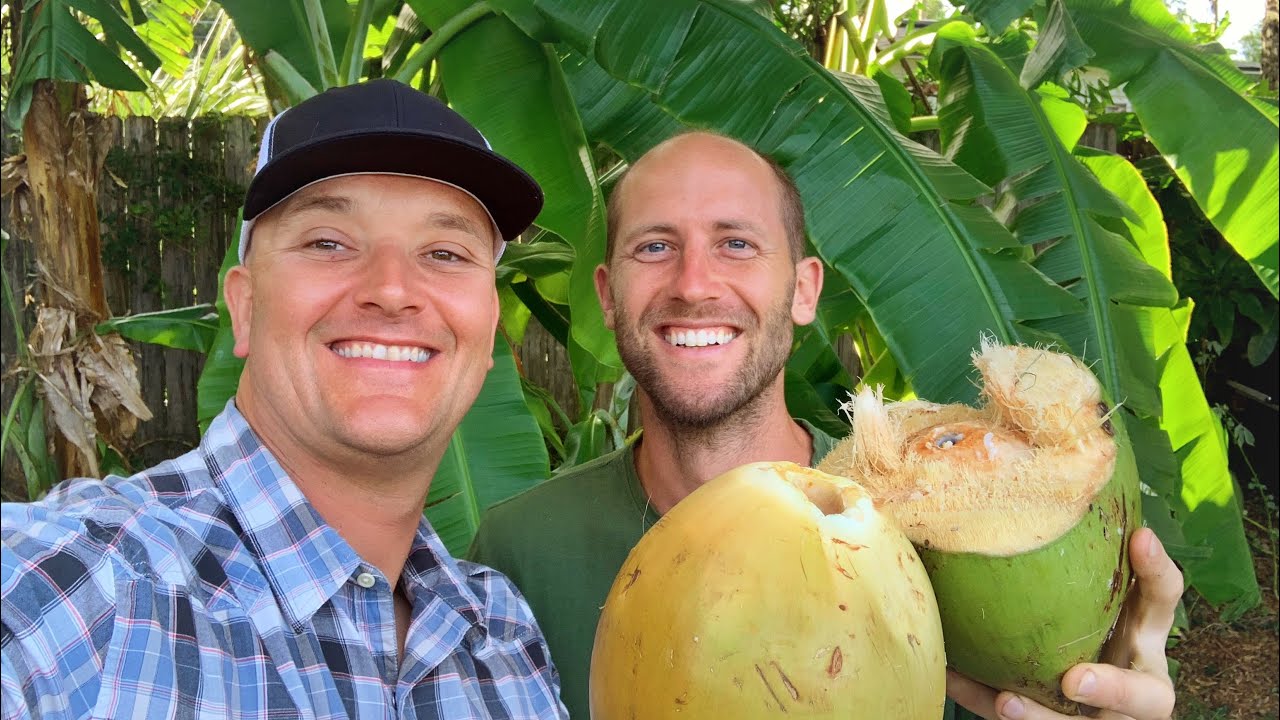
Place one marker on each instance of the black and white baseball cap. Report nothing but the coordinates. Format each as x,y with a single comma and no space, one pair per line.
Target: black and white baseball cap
386,127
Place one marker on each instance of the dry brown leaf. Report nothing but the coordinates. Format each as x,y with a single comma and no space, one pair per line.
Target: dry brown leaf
68,395
89,381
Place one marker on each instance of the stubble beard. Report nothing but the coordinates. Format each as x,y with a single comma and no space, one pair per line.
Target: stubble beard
739,399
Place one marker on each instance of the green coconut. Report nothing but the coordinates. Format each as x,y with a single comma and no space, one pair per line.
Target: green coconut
1021,511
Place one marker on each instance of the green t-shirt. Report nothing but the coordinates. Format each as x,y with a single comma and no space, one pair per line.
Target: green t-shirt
563,542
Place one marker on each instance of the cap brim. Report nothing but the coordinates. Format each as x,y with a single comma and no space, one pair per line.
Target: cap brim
512,198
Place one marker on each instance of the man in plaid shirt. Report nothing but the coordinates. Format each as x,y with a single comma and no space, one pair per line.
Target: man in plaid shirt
283,569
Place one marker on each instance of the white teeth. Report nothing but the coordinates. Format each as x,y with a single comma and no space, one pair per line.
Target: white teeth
390,353
699,338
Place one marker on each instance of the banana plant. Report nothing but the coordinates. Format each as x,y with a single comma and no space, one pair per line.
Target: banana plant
1115,260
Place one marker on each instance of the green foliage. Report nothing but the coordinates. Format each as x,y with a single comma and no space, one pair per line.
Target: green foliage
1178,91
22,431
205,71
1230,302
520,100
1017,233
55,44
138,182
495,453
221,373
188,328
1251,44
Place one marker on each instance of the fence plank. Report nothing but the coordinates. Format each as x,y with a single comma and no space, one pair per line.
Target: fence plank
174,198
546,363
210,218
111,207
15,263
144,269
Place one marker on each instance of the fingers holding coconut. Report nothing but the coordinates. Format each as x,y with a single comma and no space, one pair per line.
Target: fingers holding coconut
971,695
1120,694
1135,681
1148,611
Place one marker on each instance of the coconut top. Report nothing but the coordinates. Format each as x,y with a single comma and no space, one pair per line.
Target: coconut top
1008,477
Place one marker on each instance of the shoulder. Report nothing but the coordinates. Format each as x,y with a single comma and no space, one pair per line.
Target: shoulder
86,534
574,484
549,506
500,600
822,442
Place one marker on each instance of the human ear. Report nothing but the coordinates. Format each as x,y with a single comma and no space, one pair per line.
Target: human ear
804,304
237,291
602,292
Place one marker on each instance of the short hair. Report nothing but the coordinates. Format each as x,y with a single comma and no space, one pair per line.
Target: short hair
789,195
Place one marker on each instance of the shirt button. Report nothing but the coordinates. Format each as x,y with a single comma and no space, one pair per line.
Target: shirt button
366,580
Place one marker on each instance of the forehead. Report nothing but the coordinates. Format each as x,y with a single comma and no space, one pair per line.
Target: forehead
354,192
709,177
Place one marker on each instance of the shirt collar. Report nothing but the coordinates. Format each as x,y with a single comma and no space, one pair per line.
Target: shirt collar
304,559
431,568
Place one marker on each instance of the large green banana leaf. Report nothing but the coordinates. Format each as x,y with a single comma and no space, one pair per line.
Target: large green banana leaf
1195,110
1021,141
1204,500
56,45
495,453
518,98
1206,534
897,221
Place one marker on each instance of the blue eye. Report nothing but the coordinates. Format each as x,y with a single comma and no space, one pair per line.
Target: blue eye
736,244
653,247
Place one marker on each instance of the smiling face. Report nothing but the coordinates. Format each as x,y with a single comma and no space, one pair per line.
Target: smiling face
366,313
702,288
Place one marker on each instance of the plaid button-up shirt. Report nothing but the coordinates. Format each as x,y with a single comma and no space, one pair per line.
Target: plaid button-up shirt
208,587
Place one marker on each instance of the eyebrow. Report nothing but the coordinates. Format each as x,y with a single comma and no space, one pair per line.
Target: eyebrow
455,221
331,203
668,229
746,225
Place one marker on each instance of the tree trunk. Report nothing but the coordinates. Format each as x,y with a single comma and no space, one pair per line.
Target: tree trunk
63,164
89,382
1270,36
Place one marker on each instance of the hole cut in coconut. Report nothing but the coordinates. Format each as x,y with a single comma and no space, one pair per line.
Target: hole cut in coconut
826,497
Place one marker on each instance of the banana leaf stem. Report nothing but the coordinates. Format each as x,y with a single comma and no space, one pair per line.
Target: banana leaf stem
441,37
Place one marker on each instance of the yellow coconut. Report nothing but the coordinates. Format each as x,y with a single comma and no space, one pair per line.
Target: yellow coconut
772,591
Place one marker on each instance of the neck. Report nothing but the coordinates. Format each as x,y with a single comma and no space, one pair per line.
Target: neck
375,503
673,461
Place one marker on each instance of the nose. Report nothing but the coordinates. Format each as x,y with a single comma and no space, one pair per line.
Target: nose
698,277
390,282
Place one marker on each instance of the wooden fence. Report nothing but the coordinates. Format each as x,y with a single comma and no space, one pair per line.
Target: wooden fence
168,207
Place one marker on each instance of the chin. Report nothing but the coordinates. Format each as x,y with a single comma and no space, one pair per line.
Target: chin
384,442
386,431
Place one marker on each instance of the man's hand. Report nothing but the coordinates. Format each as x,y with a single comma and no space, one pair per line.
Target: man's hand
1132,682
